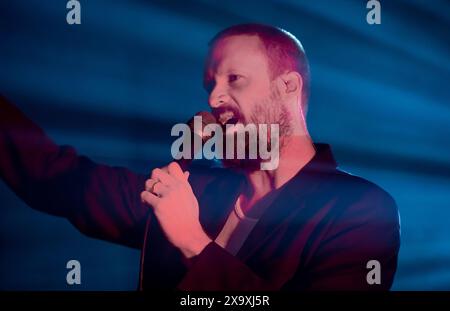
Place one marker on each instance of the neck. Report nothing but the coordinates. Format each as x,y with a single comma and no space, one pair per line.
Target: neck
295,153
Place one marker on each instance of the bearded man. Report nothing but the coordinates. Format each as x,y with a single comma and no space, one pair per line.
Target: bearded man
303,225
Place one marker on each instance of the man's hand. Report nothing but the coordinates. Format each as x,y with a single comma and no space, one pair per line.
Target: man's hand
175,206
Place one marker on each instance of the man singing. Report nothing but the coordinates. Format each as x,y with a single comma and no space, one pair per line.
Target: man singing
303,225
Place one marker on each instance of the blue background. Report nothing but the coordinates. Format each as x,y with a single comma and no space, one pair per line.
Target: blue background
113,86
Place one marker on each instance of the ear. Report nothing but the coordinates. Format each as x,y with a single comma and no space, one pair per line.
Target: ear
292,83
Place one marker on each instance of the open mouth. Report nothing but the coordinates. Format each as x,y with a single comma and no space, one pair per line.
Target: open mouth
232,121
228,117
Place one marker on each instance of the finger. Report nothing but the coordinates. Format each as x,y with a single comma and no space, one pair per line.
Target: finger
165,169
159,189
164,177
149,198
176,171
155,187
149,183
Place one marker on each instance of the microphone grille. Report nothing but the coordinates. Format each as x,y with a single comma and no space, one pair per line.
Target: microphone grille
207,118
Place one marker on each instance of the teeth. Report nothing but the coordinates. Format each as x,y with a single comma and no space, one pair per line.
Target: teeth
225,117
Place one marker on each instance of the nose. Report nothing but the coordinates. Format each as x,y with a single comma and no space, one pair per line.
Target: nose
218,97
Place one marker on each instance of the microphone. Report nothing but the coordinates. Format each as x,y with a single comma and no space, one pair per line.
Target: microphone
196,134
207,118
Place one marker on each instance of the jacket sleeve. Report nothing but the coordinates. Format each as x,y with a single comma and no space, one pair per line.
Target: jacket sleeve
215,269
101,201
367,230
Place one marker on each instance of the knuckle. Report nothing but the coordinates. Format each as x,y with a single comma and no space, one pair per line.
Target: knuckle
156,187
144,196
155,172
173,165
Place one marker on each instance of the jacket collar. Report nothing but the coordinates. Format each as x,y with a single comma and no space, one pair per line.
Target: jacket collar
221,197
293,195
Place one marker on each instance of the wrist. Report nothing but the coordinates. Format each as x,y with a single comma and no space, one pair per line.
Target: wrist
196,246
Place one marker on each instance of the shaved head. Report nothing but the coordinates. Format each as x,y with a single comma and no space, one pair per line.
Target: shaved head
284,52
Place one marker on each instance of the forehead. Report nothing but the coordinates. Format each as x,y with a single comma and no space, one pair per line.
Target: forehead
240,52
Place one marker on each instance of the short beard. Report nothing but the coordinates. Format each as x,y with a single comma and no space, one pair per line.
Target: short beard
269,111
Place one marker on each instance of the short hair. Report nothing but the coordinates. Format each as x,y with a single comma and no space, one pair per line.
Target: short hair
283,50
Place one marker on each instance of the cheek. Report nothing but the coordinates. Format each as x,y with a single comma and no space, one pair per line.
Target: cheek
246,106
249,98
243,98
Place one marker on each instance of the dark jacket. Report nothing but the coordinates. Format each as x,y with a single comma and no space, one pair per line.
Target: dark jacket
319,233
